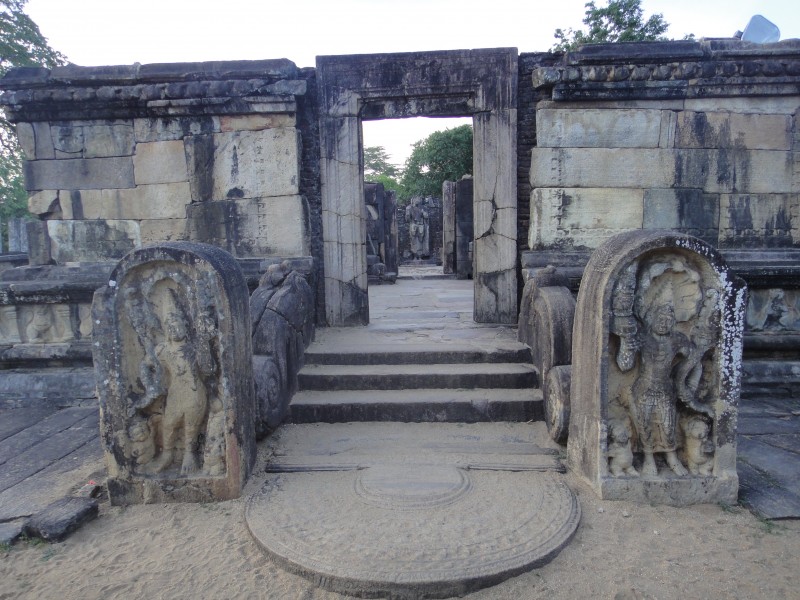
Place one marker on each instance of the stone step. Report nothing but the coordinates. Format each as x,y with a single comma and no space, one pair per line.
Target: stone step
418,406
423,354
415,376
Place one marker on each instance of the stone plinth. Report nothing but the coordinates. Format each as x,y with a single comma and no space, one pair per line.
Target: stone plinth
656,369
173,362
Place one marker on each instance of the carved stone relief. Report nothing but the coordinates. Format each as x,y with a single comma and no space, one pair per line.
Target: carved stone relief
177,374
175,382
656,371
665,327
418,218
46,323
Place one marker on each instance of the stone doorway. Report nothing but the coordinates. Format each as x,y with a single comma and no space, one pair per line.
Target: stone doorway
477,83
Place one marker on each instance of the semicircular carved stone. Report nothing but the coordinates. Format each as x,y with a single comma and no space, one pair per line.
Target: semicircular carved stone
173,362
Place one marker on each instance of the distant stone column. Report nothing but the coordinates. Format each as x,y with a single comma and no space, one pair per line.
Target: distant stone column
391,239
17,235
173,363
449,227
465,232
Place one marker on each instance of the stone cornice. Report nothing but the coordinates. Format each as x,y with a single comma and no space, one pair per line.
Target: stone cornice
671,70
155,90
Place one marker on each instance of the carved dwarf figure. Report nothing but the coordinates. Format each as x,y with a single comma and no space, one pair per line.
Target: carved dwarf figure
698,447
620,455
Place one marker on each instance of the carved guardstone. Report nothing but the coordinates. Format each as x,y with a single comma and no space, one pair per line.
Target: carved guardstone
173,362
656,370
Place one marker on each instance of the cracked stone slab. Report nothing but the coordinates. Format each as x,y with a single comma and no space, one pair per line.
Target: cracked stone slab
411,511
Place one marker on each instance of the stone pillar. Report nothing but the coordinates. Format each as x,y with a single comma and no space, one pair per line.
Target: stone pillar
656,370
495,216
17,235
449,227
173,364
343,226
390,258
464,228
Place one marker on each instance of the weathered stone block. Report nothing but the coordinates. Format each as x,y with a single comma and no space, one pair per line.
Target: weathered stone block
79,174
57,520
592,128
35,140
155,231
448,227
244,164
732,130
160,162
173,362
90,241
602,167
719,170
656,370
68,140
44,203
686,210
157,201
38,243
255,227
162,129
582,218
256,122
759,220
108,140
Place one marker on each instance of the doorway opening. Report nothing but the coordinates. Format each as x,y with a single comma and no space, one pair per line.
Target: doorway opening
406,163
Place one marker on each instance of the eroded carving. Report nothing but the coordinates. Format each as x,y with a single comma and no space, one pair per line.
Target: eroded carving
173,360
417,218
666,328
175,383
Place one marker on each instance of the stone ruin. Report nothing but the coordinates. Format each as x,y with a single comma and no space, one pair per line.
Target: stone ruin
656,368
261,159
174,376
457,230
382,233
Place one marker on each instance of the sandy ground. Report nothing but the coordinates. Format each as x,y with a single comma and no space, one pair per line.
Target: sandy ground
621,551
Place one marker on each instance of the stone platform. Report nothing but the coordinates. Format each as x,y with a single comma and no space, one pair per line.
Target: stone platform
412,510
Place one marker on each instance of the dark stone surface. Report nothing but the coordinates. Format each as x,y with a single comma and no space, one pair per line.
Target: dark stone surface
45,450
61,518
10,531
769,456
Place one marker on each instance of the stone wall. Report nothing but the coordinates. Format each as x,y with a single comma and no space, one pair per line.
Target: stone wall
695,137
119,157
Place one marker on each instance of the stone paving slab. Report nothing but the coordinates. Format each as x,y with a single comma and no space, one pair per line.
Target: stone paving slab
769,456
44,455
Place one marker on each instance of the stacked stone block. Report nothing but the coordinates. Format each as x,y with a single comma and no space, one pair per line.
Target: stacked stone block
120,157
642,146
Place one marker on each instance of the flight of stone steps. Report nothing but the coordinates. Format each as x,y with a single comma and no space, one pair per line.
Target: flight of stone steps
417,383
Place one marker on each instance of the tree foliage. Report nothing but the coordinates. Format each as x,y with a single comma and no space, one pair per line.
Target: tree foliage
376,163
21,45
442,156
619,21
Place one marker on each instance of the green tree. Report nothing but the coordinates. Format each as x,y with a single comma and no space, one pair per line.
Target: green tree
619,21
442,156
21,45
376,163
